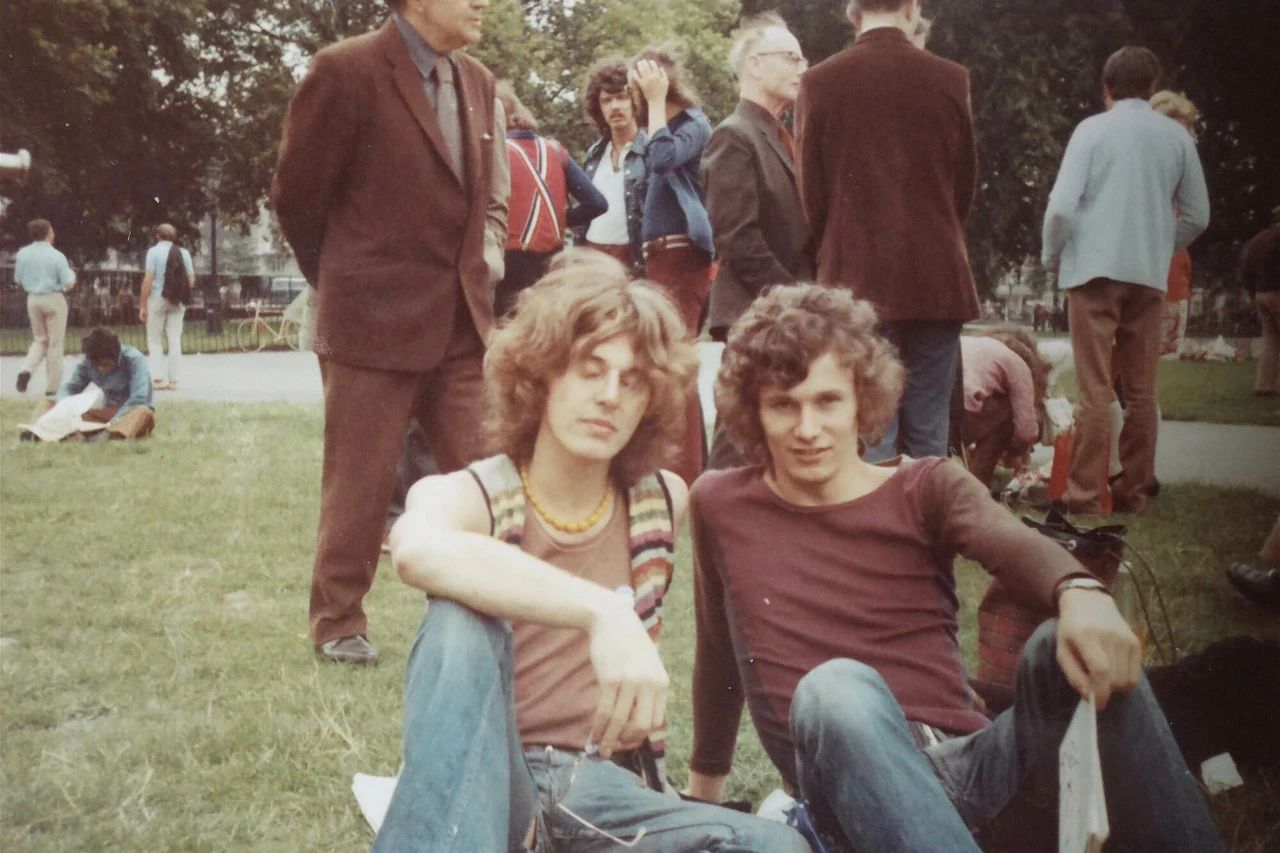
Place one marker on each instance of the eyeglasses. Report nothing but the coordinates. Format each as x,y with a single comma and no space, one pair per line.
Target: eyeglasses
793,59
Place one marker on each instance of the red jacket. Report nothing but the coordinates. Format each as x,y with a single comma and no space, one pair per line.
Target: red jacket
536,208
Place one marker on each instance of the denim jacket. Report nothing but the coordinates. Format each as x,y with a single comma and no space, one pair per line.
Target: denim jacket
634,182
674,202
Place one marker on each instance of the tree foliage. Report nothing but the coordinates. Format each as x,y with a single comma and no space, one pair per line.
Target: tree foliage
101,92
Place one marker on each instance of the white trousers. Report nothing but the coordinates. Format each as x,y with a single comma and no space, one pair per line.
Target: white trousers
164,320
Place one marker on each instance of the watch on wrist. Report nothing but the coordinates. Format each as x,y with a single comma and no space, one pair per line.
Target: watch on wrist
1078,583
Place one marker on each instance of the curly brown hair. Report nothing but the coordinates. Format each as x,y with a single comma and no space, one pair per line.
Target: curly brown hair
607,75
784,332
586,299
679,92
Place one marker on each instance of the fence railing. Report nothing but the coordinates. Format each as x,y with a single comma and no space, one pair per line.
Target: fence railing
110,298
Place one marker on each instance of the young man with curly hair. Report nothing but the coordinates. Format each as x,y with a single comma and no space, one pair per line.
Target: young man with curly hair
826,600
546,566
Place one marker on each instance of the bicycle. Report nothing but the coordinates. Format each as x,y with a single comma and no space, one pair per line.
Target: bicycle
256,332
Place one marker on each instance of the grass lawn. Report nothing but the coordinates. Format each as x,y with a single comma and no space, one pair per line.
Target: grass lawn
1220,393
158,691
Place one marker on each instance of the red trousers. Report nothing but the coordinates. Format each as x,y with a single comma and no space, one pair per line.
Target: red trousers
684,274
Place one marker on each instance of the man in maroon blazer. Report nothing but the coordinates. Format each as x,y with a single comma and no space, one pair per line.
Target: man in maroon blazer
382,189
887,169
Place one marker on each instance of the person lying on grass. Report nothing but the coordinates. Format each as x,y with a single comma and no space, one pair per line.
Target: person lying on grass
825,598
535,669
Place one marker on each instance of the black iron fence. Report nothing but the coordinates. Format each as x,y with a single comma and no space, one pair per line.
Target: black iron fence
110,298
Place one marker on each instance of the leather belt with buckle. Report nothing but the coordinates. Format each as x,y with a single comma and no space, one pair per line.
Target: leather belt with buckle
671,241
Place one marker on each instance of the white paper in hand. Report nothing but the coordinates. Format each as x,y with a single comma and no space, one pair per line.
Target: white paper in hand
1082,807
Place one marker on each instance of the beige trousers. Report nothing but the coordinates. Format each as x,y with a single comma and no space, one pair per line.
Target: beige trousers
48,313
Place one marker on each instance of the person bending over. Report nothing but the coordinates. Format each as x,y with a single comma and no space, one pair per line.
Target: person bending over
825,598
121,372
545,567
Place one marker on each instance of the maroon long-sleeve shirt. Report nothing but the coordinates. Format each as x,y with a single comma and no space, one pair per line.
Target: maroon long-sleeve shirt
782,588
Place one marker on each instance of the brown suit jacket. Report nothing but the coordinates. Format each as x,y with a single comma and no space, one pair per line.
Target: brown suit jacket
378,220
888,167
760,232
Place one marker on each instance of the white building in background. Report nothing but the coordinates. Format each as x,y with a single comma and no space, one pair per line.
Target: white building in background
262,251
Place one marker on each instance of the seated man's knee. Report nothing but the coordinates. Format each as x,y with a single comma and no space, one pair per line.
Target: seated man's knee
1040,654
841,690
460,628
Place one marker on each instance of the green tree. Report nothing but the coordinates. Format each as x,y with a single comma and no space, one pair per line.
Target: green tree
104,95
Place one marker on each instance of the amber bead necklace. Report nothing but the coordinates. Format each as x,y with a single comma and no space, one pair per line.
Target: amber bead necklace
559,524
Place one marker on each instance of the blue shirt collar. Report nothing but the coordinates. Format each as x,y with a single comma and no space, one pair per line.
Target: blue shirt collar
1132,103
423,55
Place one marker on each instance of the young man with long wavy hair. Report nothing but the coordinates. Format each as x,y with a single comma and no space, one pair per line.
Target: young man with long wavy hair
545,566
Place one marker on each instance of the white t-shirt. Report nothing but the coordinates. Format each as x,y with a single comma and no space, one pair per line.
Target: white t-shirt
610,227
157,257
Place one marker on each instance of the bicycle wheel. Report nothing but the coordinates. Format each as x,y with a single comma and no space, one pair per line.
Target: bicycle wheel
249,336
289,330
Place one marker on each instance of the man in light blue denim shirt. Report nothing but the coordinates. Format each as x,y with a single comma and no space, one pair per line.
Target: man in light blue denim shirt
121,372
45,275
1130,192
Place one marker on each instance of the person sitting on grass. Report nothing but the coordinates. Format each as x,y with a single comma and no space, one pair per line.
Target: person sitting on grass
121,372
535,669
825,597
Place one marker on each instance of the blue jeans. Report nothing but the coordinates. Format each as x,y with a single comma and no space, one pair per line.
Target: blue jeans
468,784
929,349
869,785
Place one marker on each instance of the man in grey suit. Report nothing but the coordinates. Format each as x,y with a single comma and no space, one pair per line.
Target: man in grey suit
749,179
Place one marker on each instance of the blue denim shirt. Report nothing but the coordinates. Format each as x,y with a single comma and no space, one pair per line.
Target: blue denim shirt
128,385
634,183
673,204
40,268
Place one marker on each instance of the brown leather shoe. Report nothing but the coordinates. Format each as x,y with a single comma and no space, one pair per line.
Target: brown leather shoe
354,650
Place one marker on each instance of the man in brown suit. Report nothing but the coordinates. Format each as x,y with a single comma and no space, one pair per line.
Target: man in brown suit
382,189
887,168
748,175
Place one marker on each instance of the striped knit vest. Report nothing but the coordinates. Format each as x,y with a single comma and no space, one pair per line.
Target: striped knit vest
652,545
649,517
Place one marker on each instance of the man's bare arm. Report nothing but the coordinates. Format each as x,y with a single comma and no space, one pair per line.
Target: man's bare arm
148,278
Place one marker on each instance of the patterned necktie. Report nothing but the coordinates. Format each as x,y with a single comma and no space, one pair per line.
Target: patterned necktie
447,115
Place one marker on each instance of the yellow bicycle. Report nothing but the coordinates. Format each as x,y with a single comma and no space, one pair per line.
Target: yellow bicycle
255,333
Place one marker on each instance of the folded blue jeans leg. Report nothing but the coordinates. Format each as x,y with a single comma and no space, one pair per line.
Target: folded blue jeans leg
860,772
464,785
1153,803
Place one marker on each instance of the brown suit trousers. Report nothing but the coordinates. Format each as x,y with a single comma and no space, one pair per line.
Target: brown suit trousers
1102,312
365,413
